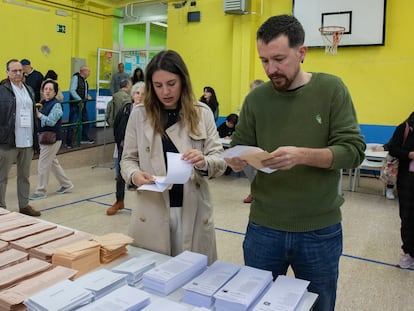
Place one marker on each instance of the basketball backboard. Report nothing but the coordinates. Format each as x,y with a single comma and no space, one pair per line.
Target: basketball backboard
364,20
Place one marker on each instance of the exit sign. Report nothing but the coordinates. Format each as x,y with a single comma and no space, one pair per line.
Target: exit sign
61,28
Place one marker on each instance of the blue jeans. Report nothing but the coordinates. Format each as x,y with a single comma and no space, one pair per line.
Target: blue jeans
313,256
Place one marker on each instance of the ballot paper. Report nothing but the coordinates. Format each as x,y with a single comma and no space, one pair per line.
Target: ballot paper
161,304
243,290
200,290
251,154
101,282
179,172
125,298
174,273
65,295
285,294
135,267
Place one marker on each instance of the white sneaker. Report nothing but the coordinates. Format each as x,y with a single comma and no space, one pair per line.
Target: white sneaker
390,194
406,261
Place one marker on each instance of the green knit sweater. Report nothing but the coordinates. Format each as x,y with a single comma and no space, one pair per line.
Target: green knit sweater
320,114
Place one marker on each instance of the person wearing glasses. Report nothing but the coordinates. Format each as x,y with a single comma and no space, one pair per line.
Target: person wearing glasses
17,134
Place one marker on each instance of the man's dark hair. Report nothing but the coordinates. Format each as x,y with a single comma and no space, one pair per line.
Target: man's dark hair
282,25
13,60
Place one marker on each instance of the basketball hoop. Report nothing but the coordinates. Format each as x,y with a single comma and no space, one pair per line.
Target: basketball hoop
331,36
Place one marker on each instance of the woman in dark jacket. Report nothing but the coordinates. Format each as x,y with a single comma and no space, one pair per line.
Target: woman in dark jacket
401,146
209,98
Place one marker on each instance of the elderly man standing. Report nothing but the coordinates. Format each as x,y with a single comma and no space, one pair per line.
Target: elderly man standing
33,78
17,134
118,77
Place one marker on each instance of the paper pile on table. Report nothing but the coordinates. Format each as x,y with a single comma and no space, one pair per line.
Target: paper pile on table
135,267
12,298
11,257
285,294
113,245
63,296
174,273
82,256
125,298
101,282
244,290
161,304
200,291
22,232
15,220
4,246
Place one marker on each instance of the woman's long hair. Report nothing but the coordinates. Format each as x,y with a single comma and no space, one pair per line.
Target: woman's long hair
212,103
172,62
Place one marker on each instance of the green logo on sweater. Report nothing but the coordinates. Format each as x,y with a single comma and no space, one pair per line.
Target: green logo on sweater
318,118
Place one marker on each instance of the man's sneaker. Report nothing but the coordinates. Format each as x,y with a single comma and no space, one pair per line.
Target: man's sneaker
37,196
406,261
390,194
63,190
87,141
68,146
30,211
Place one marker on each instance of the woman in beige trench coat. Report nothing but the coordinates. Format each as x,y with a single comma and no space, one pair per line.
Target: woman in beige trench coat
171,120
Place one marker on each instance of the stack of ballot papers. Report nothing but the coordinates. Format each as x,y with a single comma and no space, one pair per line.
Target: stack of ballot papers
125,298
113,245
200,291
174,273
101,282
3,211
244,290
11,257
22,232
12,298
135,267
46,251
82,256
164,304
15,220
62,296
4,246
285,294
21,271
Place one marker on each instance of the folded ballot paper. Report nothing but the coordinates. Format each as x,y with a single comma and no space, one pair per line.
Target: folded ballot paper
285,294
113,245
62,296
174,273
101,282
179,172
135,267
243,290
200,291
125,298
251,154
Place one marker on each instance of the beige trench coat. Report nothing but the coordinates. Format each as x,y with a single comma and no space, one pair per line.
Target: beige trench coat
143,151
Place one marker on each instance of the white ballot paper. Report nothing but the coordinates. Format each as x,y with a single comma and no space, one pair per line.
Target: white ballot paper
284,295
251,154
179,172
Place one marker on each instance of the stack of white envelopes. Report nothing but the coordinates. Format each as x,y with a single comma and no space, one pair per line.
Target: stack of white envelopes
174,273
63,296
101,282
200,291
125,298
244,290
135,267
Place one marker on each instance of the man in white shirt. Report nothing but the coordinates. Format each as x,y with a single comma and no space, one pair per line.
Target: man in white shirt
17,134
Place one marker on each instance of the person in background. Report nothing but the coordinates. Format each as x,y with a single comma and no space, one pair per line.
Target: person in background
118,77
50,119
389,193
209,97
401,146
79,91
307,122
249,170
33,78
51,75
119,100
172,120
226,128
137,76
18,137
119,125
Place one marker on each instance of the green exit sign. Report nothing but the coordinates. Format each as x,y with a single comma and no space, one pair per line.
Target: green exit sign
61,28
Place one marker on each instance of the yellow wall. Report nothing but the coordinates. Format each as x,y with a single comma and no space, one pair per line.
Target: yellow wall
220,51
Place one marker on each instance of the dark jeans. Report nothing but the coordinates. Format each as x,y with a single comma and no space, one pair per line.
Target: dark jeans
73,118
313,256
405,187
120,182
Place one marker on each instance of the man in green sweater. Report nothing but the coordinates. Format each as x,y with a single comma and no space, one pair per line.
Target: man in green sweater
307,122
